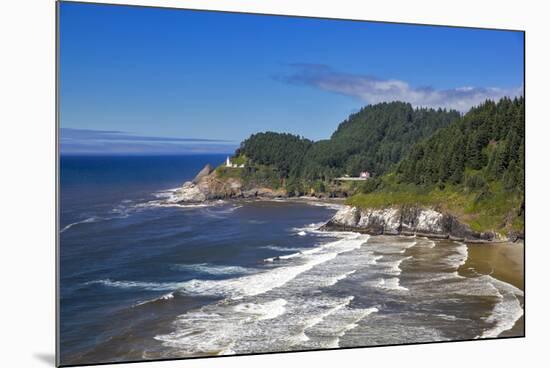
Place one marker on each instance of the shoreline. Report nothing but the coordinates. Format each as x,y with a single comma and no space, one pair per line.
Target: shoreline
412,221
502,260
392,219
433,236
505,262
340,201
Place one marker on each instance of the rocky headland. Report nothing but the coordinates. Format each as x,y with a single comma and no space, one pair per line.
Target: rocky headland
410,220
207,186
395,220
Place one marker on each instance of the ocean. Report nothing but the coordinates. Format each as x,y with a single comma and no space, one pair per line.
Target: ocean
142,280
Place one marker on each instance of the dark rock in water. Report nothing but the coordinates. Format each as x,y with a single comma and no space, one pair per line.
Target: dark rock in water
204,172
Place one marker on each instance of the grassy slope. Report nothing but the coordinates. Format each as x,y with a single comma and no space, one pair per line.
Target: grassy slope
262,175
496,210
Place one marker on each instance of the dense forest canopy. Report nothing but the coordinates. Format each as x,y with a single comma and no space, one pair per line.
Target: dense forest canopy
373,139
486,145
283,151
473,168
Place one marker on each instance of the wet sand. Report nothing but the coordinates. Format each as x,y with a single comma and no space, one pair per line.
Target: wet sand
502,261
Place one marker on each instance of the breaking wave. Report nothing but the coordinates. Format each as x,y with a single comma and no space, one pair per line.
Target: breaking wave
86,221
211,269
255,283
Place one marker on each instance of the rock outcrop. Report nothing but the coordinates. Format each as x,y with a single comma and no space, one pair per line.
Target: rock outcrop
206,170
406,220
208,186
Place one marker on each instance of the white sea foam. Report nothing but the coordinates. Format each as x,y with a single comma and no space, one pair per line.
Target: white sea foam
122,210
353,240
312,313
167,193
327,333
85,221
394,268
312,201
310,228
270,325
504,315
427,243
397,247
407,246
168,296
276,309
434,277
211,269
264,311
313,229
153,286
285,306
507,311
283,249
446,317
333,206
389,284
310,322
215,211
257,283
458,257
502,286
230,209
411,244
170,198
254,284
162,203
338,278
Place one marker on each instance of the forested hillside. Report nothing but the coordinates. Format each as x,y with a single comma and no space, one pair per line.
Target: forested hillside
473,168
373,139
486,145
284,152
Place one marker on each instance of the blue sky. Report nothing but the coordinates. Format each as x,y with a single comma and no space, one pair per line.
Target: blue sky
146,80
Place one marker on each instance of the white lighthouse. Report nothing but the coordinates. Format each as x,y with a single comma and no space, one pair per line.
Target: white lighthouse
228,163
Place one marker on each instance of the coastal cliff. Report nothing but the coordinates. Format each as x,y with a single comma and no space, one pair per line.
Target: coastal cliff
208,185
407,220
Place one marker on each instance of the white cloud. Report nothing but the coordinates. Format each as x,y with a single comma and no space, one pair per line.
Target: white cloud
374,90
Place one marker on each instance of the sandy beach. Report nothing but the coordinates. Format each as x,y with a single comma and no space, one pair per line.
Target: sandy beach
503,261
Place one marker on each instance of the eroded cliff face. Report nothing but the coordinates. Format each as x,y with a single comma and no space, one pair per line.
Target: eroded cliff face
405,220
207,186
